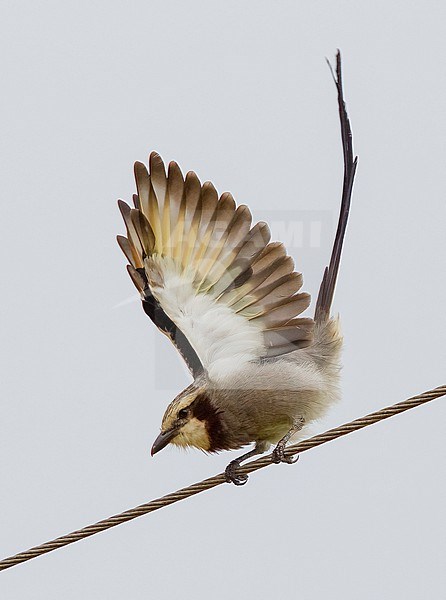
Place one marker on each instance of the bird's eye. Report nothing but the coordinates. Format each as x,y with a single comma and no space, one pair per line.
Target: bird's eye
182,414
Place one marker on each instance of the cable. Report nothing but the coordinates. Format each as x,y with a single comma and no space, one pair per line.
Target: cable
212,482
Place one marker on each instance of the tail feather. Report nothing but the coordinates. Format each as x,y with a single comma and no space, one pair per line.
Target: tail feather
326,291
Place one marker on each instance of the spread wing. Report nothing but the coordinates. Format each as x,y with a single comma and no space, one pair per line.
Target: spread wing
209,279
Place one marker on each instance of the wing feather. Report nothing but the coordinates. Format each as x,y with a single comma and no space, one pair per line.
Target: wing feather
231,292
191,216
222,218
128,250
175,192
209,200
133,238
237,231
143,231
284,311
243,295
143,186
269,297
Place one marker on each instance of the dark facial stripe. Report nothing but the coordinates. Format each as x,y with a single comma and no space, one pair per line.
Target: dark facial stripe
203,410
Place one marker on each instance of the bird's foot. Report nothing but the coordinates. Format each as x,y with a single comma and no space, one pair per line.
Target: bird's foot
232,476
278,455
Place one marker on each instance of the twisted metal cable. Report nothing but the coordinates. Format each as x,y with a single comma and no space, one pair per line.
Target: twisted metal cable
212,482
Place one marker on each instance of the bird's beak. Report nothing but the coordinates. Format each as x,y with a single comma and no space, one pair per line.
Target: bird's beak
164,438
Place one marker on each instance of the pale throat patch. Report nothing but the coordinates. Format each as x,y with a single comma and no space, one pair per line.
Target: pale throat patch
193,433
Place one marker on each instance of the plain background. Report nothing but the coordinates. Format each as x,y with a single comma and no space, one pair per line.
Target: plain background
239,92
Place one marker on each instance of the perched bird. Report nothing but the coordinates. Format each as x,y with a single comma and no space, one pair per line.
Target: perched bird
230,301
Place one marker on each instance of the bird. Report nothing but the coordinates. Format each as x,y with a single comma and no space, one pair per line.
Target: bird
231,302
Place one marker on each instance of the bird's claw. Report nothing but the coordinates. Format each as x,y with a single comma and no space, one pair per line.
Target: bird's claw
232,476
278,456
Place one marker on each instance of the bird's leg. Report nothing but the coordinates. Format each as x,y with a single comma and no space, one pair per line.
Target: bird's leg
231,469
278,454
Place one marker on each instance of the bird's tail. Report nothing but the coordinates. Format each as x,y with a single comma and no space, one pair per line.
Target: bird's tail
326,291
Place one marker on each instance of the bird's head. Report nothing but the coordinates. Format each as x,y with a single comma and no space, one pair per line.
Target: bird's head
190,420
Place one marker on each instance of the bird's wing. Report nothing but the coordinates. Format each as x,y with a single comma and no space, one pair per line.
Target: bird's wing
231,293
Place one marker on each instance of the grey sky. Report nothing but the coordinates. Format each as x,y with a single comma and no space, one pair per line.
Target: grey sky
240,93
